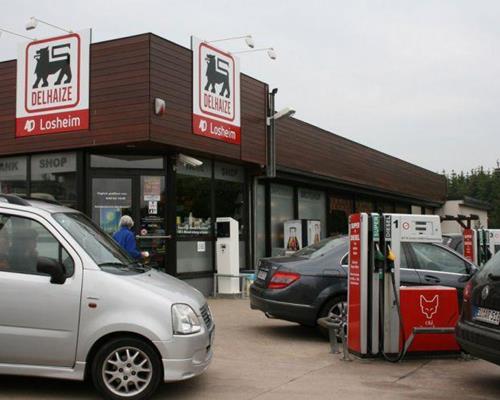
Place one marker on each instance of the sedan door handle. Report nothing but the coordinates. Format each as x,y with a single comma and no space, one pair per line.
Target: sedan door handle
432,279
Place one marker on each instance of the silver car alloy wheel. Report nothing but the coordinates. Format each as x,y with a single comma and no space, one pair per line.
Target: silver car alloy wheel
127,371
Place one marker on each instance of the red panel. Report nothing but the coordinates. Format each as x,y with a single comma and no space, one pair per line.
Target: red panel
430,307
354,292
468,244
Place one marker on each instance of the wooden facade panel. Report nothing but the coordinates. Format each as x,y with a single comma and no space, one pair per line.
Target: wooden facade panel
304,147
171,79
119,100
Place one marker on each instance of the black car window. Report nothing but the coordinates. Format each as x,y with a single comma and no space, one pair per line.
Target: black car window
324,246
492,266
435,258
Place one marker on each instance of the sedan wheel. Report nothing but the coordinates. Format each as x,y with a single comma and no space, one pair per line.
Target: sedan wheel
335,308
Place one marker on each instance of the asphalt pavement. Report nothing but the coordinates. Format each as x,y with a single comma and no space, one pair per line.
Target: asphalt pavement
260,358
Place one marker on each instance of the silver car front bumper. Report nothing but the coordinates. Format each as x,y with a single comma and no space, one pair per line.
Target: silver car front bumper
186,356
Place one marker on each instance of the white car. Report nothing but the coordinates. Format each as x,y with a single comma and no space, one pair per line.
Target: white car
73,304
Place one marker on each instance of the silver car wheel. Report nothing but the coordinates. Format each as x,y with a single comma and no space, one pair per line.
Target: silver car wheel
127,371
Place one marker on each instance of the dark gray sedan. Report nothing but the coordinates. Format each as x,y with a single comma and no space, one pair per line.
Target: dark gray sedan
312,283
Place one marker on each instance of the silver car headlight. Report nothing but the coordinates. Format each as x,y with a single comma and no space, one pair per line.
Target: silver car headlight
184,320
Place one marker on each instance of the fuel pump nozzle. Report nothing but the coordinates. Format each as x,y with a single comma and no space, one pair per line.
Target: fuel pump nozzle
391,257
379,261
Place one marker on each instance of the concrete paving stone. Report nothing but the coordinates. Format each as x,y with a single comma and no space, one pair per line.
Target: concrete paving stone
266,359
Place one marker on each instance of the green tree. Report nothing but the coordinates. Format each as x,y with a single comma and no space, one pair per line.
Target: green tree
478,183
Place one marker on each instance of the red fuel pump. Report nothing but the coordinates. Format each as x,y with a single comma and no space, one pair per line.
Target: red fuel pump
381,314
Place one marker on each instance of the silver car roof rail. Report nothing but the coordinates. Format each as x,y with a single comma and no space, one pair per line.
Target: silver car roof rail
13,199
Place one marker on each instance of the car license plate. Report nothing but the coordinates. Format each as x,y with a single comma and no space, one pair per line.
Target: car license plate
486,315
262,275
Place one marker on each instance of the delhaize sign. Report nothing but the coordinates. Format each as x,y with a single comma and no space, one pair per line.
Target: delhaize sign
216,93
53,85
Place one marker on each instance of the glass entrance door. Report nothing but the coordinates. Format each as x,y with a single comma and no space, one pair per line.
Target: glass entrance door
152,233
142,196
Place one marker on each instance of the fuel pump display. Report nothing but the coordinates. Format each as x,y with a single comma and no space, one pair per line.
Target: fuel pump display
378,323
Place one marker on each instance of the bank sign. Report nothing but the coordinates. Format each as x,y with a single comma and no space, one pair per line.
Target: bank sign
53,85
216,93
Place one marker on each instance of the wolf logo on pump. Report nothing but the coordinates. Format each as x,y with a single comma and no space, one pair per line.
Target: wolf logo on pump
46,67
429,307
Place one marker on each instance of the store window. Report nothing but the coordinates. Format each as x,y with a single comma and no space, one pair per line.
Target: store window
54,177
364,205
13,175
340,209
111,198
126,161
281,211
312,205
402,209
193,218
260,223
229,188
385,206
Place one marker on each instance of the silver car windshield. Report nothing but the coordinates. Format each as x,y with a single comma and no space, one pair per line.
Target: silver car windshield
321,248
103,250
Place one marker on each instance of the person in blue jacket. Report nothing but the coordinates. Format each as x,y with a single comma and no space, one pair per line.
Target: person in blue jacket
125,237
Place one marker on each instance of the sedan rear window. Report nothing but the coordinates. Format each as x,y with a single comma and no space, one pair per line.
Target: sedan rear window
323,247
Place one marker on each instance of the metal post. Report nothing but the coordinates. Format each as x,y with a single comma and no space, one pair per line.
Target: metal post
271,137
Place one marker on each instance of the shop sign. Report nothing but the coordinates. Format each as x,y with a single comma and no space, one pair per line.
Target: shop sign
13,169
229,172
53,85
216,93
53,164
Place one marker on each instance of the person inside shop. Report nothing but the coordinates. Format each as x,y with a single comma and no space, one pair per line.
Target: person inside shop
125,237
4,249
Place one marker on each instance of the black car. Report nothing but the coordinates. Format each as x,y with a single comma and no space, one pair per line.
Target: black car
478,330
454,241
312,283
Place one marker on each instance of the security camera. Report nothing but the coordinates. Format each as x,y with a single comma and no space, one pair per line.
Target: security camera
194,162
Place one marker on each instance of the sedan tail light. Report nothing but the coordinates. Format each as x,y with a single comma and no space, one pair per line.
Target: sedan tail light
281,280
468,291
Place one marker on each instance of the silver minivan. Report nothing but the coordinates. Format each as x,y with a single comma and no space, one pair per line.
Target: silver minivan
73,305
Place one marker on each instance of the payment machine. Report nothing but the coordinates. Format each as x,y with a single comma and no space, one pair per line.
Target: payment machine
375,321
228,255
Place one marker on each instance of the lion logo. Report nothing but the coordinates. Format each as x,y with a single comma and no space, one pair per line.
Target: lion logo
45,67
217,73
429,307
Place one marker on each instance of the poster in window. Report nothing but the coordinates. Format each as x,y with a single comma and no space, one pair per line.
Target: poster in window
109,218
152,188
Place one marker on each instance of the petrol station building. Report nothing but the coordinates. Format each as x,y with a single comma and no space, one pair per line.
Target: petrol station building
131,160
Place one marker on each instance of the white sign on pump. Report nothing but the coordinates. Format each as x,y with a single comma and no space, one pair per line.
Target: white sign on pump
53,85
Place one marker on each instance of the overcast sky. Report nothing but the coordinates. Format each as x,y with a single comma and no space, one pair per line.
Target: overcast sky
415,79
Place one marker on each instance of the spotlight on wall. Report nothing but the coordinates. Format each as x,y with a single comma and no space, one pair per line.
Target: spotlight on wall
187,160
